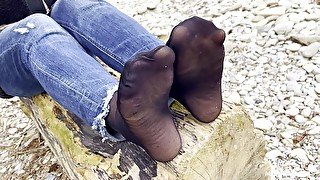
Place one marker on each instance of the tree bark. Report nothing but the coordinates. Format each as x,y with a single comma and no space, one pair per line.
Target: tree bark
229,148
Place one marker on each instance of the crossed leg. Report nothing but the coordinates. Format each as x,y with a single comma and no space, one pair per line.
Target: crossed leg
119,41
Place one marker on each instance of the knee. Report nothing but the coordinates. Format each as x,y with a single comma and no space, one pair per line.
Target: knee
65,10
62,9
36,26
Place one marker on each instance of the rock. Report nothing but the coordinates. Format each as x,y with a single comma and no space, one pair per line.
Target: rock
273,154
299,154
294,47
12,130
256,19
283,25
300,119
305,39
292,111
263,124
50,176
275,11
316,119
309,67
234,97
248,100
142,9
306,112
151,5
293,85
312,168
296,18
314,131
317,78
310,50
22,125
302,174
317,88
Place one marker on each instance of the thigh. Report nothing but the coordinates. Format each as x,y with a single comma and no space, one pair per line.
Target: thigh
15,77
104,30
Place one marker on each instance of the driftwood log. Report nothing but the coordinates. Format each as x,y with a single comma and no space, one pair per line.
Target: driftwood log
230,148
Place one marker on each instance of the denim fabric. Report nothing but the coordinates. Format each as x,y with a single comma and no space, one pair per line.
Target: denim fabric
37,55
103,30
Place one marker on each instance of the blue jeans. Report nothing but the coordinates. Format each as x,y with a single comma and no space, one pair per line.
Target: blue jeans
56,55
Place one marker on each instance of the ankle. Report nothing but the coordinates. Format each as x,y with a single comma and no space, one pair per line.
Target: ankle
111,118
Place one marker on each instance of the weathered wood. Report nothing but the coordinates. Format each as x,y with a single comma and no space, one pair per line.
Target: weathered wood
227,149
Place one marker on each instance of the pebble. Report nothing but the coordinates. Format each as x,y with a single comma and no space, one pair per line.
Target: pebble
305,39
284,27
310,50
234,97
317,88
292,111
306,112
300,119
12,130
151,5
309,67
294,47
274,154
263,124
314,131
275,11
293,85
299,154
316,119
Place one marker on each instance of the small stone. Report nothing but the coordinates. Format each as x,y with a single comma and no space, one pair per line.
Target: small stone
256,19
293,85
317,88
3,170
314,131
316,119
22,125
151,5
263,124
311,50
317,77
248,100
275,11
12,130
50,176
312,168
141,9
303,174
305,39
234,98
292,111
273,154
308,67
306,112
294,47
299,154
300,119
283,27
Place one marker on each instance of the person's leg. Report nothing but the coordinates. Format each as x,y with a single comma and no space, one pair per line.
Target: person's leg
198,45
93,22
38,55
104,31
117,39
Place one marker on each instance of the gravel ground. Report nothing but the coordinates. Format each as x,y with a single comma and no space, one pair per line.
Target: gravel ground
272,67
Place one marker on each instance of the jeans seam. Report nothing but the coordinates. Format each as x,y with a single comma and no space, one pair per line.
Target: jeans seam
97,45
